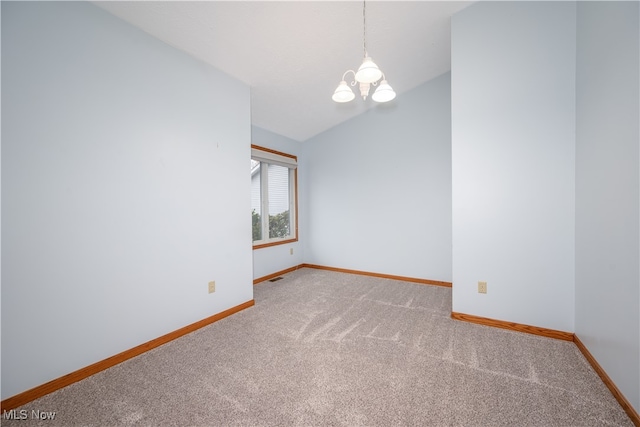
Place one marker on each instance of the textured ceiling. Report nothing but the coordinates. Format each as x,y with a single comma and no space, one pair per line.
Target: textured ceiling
293,54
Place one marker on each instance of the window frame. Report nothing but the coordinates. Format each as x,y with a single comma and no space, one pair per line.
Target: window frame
293,200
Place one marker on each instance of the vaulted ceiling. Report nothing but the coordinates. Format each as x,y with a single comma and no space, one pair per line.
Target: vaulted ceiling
293,54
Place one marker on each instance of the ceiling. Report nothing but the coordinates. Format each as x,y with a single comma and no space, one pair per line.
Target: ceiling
293,54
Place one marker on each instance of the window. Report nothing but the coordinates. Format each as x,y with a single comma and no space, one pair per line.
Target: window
273,197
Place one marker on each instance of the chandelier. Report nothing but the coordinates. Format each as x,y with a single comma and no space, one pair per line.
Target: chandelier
367,75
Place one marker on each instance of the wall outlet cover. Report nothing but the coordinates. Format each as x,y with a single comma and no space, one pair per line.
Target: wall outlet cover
482,287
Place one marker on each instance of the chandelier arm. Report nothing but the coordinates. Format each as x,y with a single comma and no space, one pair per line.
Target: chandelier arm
344,77
378,81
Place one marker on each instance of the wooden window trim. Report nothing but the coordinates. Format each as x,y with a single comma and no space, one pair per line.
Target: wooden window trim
295,202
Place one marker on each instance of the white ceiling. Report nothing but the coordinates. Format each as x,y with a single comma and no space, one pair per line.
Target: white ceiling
293,54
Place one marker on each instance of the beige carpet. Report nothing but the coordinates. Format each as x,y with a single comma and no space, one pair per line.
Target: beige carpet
321,348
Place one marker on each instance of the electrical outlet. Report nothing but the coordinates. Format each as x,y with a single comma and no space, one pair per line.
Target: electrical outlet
290,251
482,287
212,287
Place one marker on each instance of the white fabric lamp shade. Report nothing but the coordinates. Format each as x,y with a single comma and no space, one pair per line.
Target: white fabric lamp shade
343,93
384,92
368,71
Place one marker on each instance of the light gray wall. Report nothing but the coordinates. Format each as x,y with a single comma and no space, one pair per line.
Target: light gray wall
379,188
608,190
124,190
513,149
278,258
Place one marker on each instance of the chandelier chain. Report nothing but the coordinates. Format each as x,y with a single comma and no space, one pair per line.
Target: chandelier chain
364,27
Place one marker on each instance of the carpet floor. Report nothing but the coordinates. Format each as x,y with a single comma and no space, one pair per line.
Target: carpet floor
322,348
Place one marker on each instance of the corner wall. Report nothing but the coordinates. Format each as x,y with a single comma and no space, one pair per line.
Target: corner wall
608,190
124,190
379,188
513,161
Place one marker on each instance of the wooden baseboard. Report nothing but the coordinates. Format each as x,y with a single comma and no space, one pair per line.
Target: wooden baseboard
566,336
550,333
384,276
626,405
58,383
276,274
